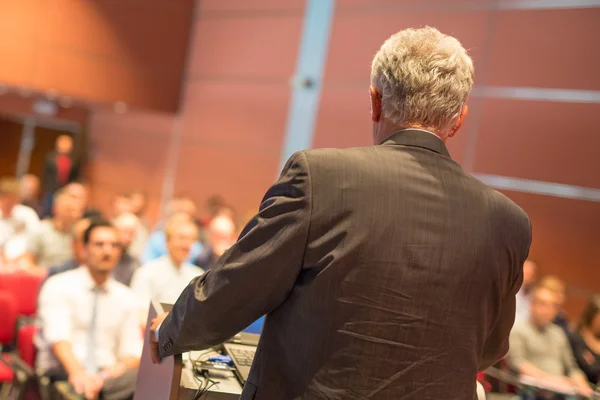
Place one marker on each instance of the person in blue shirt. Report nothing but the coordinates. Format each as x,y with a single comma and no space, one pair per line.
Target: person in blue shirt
156,246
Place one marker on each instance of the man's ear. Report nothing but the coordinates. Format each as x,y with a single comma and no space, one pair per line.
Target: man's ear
460,120
375,104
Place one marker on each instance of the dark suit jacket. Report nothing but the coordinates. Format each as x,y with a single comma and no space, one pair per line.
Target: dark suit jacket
386,272
50,178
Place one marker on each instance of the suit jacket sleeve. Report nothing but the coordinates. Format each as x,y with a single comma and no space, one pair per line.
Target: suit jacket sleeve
497,343
252,278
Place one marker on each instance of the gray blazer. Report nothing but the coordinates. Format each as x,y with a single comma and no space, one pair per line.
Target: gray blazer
386,272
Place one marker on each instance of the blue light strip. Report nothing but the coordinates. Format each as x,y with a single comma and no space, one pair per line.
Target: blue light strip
308,77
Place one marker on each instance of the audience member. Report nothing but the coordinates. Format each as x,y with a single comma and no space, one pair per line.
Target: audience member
78,247
60,169
585,341
127,225
17,222
220,236
133,204
540,349
212,206
30,192
139,203
80,193
121,204
156,246
557,286
89,333
523,296
51,244
163,279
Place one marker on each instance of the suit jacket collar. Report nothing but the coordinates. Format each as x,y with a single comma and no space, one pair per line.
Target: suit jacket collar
417,138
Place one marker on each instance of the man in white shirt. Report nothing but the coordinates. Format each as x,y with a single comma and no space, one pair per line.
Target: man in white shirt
88,328
17,221
51,244
165,278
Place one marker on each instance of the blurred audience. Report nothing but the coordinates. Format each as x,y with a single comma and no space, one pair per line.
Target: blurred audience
60,169
127,225
78,249
17,222
121,204
540,349
585,341
557,287
132,204
30,192
221,235
51,244
164,278
80,193
88,327
156,246
139,203
523,296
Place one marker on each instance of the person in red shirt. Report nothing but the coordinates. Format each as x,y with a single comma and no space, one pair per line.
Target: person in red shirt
60,170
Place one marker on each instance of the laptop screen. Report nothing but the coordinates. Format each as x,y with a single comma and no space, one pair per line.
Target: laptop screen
256,326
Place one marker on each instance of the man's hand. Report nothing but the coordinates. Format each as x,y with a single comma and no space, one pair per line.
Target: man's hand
113,372
86,384
153,339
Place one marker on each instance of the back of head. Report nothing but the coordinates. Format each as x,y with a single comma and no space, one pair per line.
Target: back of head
423,78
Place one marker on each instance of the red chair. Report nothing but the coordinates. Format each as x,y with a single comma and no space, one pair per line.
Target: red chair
25,287
25,345
8,321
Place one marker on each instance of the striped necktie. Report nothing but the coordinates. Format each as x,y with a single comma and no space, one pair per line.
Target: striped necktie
91,362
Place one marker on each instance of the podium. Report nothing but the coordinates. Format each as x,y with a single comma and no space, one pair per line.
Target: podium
159,381
173,379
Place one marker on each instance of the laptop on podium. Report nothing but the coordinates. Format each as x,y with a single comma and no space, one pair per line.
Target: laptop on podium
242,348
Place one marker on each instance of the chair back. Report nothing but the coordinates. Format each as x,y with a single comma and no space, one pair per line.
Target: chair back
25,288
8,317
25,344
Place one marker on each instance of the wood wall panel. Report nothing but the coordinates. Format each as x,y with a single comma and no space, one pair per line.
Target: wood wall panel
238,47
207,6
242,177
546,48
245,115
553,142
98,51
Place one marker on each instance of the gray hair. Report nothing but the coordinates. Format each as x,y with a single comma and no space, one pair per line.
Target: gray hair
423,77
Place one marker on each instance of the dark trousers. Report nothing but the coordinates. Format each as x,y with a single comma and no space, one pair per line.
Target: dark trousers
119,388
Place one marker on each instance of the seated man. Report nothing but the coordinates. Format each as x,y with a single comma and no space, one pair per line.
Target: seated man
88,327
78,246
156,245
540,349
127,225
17,222
220,237
51,244
164,279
